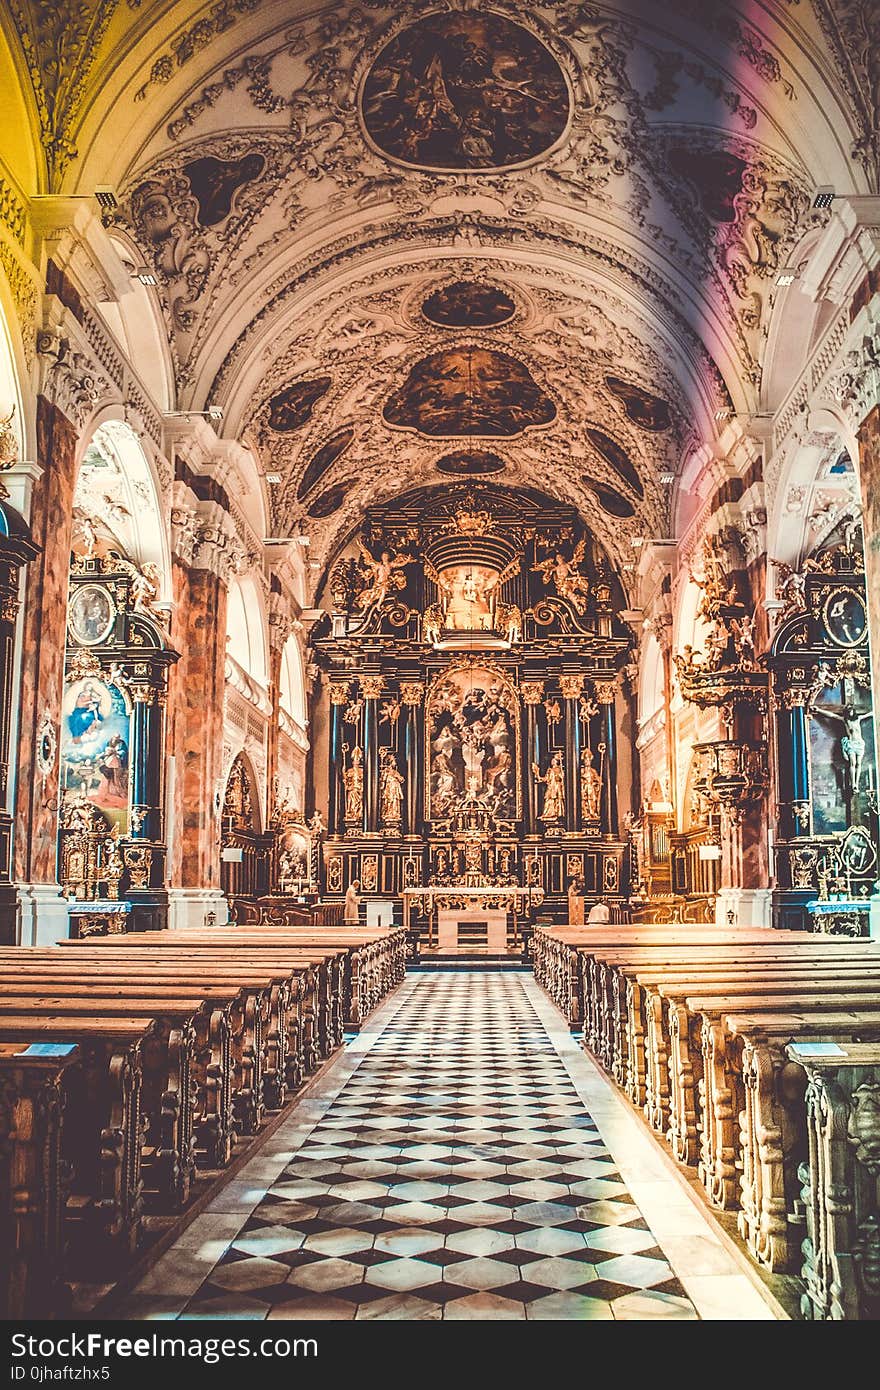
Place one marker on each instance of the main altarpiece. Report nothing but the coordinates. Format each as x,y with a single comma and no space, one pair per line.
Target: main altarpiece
472,648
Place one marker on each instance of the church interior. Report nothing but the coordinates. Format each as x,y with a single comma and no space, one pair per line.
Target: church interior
439,618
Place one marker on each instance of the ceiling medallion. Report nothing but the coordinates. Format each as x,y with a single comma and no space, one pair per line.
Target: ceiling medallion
292,407
322,459
647,411
465,91
468,304
469,391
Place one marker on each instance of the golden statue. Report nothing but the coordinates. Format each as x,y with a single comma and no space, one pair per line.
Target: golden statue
390,790
353,781
591,787
554,782
381,576
566,577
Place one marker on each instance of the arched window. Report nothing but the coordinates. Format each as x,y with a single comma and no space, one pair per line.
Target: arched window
292,691
245,630
651,691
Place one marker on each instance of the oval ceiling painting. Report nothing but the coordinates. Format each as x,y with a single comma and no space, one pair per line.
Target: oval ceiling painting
293,406
609,500
329,501
469,391
465,91
619,460
649,412
470,465
467,304
322,459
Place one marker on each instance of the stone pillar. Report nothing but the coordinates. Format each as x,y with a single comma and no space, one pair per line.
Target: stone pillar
371,688
195,698
794,768
335,796
412,693
607,750
44,623
532,694
571,687
16,550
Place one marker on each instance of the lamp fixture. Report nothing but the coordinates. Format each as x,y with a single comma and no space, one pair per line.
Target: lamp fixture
273,478
214,412
667,478
106,197
786,278
145,276
824,196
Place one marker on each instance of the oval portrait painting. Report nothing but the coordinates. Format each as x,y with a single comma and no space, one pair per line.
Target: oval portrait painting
465,91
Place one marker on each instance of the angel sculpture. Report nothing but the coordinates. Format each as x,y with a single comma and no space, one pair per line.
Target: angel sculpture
744,638
565,575
791,587
381,577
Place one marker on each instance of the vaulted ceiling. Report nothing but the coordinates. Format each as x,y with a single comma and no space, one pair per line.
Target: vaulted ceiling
390,235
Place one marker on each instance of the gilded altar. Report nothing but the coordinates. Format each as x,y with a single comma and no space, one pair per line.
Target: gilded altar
471,653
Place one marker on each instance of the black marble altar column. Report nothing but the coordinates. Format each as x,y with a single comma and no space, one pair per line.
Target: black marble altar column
532,694
371,687
571,687
607,749
336,800
412,694
793,763
146,763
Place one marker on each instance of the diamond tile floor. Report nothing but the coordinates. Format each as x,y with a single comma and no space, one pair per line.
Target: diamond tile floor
447,1167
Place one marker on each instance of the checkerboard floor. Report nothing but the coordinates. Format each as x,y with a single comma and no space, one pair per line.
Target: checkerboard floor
455,1174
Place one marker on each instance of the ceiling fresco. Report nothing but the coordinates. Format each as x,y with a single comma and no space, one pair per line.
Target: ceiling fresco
329,502
290,409
323,459
465,91
465,304
215,183
609,498
618,458
647,411
469,391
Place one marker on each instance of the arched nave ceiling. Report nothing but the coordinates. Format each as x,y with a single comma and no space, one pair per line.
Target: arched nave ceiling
631,185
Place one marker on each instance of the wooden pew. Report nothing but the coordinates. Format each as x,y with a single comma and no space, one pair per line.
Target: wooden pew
103,1149
32,1100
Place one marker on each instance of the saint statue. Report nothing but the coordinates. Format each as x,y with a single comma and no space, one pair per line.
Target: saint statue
554,781
591,787
576,902
353,781
390,790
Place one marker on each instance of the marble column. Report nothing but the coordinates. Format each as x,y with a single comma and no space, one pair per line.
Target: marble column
335,794
195,700
16,550
412,693
793,763
44,623
371,688
532,695
571,687
607,749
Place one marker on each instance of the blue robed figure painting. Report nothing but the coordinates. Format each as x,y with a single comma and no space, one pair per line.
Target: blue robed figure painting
95,747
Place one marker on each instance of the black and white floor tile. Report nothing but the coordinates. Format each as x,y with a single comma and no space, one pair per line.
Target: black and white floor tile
448,1167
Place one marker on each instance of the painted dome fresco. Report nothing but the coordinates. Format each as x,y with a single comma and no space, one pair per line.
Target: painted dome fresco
465,91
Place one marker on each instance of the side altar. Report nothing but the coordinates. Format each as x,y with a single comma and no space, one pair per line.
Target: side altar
471,646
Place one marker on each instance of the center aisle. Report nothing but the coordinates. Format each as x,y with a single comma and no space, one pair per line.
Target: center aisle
447,1166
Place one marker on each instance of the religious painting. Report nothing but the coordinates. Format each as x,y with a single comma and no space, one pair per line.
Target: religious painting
469,391
471,716
91,615
842,762
470,464
468,592
609,500
95,742
322,459
468,304
329,501
215,183
845,617
465,91
292,407
716,177
618,458
647,411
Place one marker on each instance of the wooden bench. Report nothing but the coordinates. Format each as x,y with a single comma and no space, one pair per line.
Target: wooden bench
32,1100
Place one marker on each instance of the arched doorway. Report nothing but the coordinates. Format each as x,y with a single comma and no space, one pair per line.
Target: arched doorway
244,849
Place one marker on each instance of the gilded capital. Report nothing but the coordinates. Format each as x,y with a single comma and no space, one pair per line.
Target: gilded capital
371,687
793,698
412,692
532,692
571,686
339,692
605,692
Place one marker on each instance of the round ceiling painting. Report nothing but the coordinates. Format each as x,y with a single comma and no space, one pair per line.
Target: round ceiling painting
468,464
466,304
465,91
